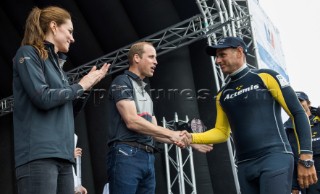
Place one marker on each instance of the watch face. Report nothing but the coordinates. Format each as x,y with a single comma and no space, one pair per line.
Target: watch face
307,163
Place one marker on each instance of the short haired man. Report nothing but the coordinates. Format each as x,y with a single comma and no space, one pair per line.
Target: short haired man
250,104
133,126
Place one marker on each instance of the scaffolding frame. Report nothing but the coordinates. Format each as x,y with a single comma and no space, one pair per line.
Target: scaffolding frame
178,162
214,22
167,40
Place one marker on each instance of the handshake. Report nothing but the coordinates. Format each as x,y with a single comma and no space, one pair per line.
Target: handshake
183,139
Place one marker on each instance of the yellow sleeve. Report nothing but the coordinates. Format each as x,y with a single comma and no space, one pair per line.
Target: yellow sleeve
279,95
275,90
219,133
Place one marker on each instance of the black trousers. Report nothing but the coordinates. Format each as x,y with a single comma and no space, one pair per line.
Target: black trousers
269,174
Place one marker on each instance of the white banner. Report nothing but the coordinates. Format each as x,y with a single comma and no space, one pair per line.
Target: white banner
267,37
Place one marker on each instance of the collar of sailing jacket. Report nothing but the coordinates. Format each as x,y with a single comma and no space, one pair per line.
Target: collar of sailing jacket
240,73
50,47
135,78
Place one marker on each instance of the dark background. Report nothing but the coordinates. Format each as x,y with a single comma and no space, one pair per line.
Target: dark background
100,27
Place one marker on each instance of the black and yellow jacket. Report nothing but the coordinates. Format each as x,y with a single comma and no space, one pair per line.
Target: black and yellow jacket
315,132
250,104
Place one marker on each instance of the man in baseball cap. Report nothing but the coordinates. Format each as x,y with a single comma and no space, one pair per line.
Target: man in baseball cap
228,42
260,139
314,120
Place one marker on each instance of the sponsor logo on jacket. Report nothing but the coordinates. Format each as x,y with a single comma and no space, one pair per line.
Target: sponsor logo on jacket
241,92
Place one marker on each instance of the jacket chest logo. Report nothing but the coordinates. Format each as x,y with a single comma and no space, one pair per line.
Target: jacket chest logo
239,91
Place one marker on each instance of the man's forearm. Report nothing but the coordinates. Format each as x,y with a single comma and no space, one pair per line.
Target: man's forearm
140,125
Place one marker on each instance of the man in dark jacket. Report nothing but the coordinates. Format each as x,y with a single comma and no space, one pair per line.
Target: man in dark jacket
314,118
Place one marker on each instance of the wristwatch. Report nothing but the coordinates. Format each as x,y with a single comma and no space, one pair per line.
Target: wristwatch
306,163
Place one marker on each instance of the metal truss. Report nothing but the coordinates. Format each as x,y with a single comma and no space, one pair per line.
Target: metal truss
178,162
6,105
176,36
214,22
235,15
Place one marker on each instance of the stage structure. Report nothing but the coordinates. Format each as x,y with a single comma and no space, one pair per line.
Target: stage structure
176,161
217,19
221,18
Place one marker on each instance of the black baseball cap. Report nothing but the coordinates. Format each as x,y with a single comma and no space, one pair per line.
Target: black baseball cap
302,96
228,42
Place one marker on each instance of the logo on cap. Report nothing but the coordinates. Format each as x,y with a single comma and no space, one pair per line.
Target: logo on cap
221,41
227,42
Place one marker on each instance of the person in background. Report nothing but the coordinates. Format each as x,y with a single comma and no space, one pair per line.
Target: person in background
78,188
314,119
132,126
250,105
43,109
